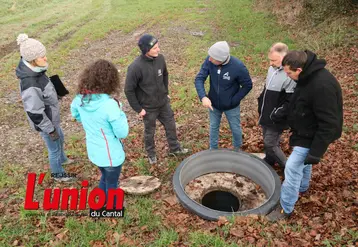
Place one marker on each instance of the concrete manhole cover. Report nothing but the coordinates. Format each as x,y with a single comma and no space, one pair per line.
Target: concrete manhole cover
140,185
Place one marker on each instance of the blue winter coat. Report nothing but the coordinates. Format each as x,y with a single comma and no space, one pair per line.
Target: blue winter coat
105,124
229,83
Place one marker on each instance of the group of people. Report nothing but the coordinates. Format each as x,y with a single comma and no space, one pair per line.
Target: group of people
299,94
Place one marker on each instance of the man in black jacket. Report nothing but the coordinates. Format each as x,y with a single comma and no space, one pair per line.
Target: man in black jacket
316,119
146,89
273,105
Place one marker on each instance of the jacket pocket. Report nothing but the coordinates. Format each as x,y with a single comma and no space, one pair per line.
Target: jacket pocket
275,114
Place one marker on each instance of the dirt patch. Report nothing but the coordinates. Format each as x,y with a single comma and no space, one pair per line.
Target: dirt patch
7,49
287,13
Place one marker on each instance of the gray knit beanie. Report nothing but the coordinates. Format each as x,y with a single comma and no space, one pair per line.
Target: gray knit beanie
30,49
220,51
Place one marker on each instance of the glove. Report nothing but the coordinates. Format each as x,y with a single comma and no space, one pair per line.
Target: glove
311,160
54,135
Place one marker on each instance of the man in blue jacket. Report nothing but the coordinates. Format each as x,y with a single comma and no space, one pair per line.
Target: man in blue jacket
230,82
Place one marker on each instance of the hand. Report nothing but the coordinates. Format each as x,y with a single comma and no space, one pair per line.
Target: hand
142,113
207,103
311,160
54,135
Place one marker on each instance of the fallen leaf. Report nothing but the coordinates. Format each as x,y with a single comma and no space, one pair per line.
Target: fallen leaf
222,221
171,200
61,235
313,233
116,236
237,233
318,237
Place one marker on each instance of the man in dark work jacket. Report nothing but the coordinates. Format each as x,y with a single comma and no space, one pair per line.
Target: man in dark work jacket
316,119
146,89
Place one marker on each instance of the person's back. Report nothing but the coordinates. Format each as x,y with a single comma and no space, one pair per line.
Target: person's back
105,124
103,121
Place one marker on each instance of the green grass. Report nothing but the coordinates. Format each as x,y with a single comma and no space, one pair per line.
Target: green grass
143,166
198,239
65,25
82,233
349,239
143,212
355,147
166,238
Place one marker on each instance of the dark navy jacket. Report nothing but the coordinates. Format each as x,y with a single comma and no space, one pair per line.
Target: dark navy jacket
229,83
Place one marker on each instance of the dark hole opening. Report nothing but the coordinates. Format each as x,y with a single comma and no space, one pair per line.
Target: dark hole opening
221,201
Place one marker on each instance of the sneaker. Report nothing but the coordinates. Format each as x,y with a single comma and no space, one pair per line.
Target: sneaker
64,179
278,214
180,152
152,160
68,162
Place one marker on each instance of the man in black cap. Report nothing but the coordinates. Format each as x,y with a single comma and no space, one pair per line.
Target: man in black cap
146,89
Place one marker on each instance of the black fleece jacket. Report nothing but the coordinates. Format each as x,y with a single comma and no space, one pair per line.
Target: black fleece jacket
316,115
146,85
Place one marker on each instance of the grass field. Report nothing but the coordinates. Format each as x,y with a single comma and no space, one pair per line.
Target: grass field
76,32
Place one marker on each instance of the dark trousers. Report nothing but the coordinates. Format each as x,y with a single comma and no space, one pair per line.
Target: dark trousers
273,150
165,115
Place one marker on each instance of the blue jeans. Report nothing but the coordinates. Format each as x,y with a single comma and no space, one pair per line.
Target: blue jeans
109,178
233,117
297,178
56,154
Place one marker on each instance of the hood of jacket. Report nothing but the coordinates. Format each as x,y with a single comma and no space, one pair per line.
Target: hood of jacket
312,65
92,102
23,71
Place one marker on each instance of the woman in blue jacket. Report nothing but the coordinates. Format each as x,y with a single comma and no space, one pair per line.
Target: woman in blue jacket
103,120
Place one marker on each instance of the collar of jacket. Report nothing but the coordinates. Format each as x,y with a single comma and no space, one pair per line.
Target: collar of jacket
147,58
226,61
36,69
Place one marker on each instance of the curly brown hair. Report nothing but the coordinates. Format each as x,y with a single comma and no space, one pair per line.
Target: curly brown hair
99,77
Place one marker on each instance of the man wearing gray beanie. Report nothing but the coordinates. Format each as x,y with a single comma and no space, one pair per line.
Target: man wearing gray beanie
41,103
230,82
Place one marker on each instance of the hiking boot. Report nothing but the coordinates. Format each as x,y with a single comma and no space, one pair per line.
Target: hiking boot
278,214
152,160
68,162
64,179
180,151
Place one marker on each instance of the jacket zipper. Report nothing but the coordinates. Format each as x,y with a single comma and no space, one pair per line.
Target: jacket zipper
219,71
263,100
109,154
